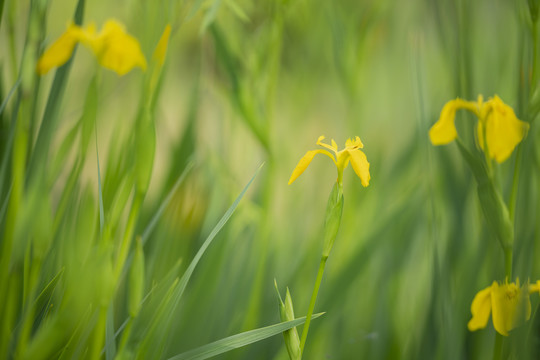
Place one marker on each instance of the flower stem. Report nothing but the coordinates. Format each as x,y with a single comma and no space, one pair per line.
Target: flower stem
312,303
515,181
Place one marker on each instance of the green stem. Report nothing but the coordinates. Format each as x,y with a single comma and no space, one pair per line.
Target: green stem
508,263
535,56
128,235
312,303
515,182
125,335
497,349
99,332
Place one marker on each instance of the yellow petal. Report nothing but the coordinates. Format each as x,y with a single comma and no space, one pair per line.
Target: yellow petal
356,143
161,48
480,309
511,306
534,287
332,147
360,165
115,49
305,161
503,130
60,51
444,130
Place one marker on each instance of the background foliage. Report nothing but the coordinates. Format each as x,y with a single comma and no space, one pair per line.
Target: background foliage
250,82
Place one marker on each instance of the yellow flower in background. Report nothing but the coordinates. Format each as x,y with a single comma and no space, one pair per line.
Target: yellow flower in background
498,126
60,51
341,159
113,47
508,303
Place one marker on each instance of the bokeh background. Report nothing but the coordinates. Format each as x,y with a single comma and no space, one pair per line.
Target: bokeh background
249,82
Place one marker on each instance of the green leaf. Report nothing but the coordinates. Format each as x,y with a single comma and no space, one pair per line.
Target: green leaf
156,341
237,10
187,275
100,193
110,344
194,8
6,100
210,16
52,109
153,222
239,340
43,300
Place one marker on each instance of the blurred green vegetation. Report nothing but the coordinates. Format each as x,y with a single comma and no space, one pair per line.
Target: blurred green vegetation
247,82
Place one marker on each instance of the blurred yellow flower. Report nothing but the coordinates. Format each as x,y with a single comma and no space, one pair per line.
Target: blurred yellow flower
498,126
341,159
509,303
113,47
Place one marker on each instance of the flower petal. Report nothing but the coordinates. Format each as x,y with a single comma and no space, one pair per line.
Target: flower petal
511,306
503,130
332,147
480,309
356,143
115,49
534,287
444,130
360,165
60,51
305,161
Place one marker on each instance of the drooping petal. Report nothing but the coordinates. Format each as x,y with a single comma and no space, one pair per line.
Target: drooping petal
444,130
360,165
534,287
305,161
511,306
480,309
60,51
115,49
503,130
161,48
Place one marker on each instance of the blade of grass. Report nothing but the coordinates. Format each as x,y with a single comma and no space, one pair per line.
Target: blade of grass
189,271
6,100
41,149
110,343
194,8
9,142
157,215
239,340
100,194
180,288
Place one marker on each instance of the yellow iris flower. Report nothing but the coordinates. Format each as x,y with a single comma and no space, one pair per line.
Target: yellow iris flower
508,303
113,47
341,159
497,126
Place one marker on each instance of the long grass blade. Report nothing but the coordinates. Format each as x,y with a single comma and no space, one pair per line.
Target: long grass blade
153,222
52,109
100,193
187,275
110,344
239,340
181,286
10,93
